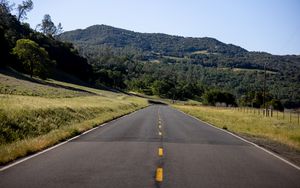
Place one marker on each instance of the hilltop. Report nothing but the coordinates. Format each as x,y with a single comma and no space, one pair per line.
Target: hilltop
143,58
148,42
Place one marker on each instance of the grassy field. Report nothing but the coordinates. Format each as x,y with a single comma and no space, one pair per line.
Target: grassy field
275,133
36,114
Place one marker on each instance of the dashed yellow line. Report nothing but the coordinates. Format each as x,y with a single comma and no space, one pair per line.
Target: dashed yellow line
159,175
160,152
159,170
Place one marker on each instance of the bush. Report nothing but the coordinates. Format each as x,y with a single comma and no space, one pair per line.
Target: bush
276,104
212,97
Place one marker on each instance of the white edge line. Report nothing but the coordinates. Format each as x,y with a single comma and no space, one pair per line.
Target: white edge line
48,149
60,144
243,139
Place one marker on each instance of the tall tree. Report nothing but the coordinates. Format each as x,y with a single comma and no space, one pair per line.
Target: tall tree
23,8
47,26
59,29
33,57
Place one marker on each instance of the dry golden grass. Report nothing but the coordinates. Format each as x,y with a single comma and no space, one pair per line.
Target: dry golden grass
37,114
20,148
272,128
29,124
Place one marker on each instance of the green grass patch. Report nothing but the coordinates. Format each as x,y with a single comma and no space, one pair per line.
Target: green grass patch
20,84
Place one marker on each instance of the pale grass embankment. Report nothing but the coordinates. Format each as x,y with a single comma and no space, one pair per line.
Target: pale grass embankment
277,129
30,123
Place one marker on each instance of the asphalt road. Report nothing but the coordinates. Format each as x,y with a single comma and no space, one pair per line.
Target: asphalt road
124,154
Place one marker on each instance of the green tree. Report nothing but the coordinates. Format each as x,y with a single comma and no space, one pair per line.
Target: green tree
163,88
276,104
255,99
48,27
212,97
33,57
59,29
23,8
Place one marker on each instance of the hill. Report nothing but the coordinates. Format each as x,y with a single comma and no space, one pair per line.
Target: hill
154,46
142,59
148,42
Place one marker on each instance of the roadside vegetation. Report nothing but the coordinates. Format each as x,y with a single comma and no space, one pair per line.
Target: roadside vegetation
277,133
30,123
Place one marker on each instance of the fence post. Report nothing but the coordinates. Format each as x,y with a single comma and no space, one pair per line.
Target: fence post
271,112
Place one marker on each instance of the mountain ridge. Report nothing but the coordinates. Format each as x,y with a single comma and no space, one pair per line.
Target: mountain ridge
96,35
140,60
174,35
205,51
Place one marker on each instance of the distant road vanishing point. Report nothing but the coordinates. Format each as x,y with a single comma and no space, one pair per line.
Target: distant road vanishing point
153,147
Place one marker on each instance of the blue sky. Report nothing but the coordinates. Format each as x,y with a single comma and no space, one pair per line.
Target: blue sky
258,25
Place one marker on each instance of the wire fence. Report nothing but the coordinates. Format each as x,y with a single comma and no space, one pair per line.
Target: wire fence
290,116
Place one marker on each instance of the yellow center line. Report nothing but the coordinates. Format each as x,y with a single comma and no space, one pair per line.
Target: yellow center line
160,152
159,175
160,133
159,126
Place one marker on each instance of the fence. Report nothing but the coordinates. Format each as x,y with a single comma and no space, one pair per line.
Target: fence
290,116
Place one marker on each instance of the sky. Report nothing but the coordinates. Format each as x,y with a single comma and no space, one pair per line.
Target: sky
271,26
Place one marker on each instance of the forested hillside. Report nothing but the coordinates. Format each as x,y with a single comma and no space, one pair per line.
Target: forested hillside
37,53
185,67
